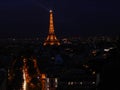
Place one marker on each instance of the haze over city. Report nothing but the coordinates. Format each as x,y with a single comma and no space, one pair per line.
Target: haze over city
29,18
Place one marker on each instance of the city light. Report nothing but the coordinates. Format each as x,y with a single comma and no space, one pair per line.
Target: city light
24,82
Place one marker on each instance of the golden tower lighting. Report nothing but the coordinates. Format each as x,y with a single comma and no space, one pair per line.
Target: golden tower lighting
51,38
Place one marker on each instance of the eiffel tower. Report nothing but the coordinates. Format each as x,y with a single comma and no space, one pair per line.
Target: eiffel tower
51,38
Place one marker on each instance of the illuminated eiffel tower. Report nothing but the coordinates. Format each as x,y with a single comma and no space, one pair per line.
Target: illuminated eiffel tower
51,38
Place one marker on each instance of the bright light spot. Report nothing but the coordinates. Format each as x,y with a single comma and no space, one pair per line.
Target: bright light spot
94,52
43,76
93,72
111,47
86,66
50,11
47,80
106,50
68,83
56,80
24,83
71,83
38,77
93,82
81,83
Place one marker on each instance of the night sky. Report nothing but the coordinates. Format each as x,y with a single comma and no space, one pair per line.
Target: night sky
30,18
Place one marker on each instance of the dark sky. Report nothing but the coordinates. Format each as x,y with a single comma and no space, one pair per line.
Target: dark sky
30,18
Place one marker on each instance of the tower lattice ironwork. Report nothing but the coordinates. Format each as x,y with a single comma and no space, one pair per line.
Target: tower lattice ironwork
51,38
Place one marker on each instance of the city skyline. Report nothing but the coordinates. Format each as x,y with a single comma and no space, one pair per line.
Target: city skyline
72,18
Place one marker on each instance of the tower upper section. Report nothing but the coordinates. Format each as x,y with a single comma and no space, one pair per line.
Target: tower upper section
51,25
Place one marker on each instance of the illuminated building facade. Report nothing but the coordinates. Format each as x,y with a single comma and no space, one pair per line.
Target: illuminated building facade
51,38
